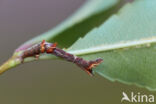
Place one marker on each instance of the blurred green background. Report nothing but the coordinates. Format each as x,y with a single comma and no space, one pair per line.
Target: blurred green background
48,82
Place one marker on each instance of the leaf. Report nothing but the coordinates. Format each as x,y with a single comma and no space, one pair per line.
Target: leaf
127,44
90,15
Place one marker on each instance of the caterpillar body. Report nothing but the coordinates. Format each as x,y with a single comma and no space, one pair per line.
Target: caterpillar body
36,49
50,48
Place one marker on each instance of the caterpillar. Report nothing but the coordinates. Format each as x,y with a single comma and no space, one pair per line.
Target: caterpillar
50,48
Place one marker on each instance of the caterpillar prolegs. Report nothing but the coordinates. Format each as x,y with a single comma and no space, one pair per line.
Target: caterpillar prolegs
50,48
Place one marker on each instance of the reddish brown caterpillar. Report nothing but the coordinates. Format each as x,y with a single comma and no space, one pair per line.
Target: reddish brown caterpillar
50,48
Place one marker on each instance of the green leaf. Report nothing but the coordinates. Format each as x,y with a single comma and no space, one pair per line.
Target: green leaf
127,44
90,15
